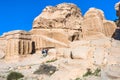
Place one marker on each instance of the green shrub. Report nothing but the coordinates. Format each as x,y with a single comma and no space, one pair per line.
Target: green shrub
77,79
89,72
96,72
49,61
46,69
14,76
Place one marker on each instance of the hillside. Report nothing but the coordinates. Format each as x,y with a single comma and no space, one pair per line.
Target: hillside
80,47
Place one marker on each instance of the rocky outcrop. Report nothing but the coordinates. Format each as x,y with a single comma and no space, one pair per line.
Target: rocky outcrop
17,43
55,27
108,28
45,38
55,24
61,16
3,44
75,44
95,25
64,23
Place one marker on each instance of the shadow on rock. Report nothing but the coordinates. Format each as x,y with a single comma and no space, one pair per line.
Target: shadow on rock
116,34
46,69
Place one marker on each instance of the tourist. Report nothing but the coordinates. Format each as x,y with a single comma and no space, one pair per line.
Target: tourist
44,52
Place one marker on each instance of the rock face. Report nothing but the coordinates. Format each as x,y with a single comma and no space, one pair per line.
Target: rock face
55,24
116,34
111,69
108,28
61,16
75,45
17,43
95,25
45,38
56,27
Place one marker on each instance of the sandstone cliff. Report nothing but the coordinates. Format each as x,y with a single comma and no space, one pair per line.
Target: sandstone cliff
76,43
61,16
95,25
56,23
16,43
57,26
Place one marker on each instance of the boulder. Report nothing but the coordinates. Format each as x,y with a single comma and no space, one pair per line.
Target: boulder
99,56
80,52
52,52
111,72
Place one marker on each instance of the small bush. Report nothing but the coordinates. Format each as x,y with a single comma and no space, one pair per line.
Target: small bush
89,72
77,79
96,72
49,61
14,76
46,69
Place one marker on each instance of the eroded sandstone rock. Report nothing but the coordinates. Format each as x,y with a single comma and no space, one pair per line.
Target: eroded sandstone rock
45,38
17,43
3,44
95,25
64,15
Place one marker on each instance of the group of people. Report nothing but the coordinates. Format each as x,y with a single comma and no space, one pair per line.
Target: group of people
44,52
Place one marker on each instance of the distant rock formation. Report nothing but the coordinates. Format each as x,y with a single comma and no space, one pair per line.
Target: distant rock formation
62,16
56,27
116,34
56,23
75,44
16,43
95,25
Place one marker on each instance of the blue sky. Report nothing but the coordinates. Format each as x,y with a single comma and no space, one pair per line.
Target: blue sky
19,14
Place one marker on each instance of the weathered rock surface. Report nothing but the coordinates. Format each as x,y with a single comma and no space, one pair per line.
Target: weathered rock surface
56,24
76,43
84,55
61,16
55,27
17,43
46,38
2,47
108,28
95,25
